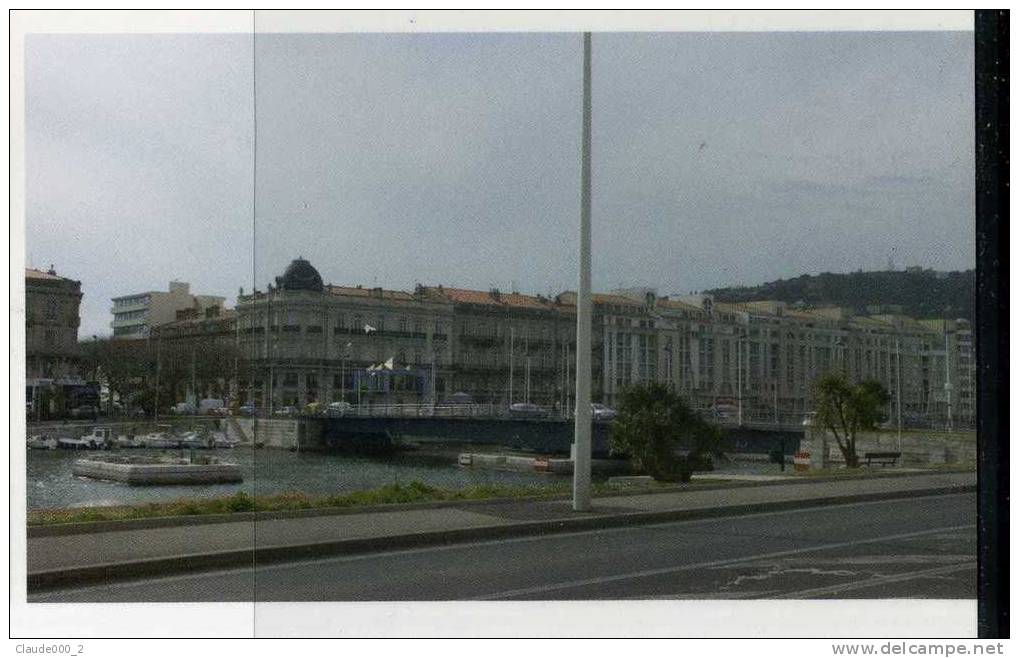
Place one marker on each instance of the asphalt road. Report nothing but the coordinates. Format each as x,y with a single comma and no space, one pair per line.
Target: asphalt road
906,548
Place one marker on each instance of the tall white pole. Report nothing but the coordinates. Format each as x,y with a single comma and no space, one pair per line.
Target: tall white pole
582,423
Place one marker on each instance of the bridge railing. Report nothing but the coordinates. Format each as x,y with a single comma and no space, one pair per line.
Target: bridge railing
490,410
410,410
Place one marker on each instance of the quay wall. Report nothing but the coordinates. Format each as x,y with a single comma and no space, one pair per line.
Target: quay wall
918,447
286,433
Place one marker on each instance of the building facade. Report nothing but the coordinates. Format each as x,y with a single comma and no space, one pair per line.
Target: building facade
51,325
303,341
135,315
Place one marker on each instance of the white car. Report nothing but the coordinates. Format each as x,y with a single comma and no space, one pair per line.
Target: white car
339,408
526,409
184,408
601,412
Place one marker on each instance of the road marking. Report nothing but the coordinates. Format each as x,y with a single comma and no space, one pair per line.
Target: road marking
298,564
877,580
572,584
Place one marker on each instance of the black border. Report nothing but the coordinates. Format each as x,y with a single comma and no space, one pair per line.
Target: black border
991,116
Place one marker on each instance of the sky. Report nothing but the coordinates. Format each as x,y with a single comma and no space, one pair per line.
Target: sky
718,159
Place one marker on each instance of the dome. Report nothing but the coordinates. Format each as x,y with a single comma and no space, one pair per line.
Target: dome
300,275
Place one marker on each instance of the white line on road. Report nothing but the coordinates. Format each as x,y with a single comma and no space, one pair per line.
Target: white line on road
572,584
877,580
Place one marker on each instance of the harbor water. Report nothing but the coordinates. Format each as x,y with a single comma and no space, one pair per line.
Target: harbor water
50,483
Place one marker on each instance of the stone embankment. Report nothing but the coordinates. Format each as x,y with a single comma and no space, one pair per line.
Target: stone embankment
918,447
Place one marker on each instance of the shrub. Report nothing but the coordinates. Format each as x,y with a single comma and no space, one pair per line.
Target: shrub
653,424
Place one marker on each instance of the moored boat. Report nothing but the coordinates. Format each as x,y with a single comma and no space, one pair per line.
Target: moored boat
126,442
100,438
160,440
41,442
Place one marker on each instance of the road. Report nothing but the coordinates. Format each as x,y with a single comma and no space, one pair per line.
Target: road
905,548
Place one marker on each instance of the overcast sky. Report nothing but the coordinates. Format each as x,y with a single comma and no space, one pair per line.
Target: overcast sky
719,159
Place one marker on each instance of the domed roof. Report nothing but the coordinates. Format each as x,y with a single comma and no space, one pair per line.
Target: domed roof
300,275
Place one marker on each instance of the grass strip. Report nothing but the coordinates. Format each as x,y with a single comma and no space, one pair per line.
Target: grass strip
412,492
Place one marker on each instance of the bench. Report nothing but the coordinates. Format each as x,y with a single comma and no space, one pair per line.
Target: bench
883,458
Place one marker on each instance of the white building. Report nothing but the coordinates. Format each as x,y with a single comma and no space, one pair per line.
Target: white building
135,315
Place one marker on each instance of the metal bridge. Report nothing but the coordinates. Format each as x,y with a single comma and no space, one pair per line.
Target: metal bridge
377,428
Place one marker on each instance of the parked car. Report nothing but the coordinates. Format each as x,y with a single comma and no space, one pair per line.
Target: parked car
85,411
286,411
460,398
915,421
526,410
339,408
246,410
600,411
210,405
184,408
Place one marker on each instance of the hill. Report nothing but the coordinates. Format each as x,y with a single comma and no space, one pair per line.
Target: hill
920,293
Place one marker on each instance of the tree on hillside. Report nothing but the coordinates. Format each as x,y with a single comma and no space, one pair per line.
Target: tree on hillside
844,409
653,424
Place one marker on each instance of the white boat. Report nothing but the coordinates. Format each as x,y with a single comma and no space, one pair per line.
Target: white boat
159,440
39,442
100,439
220,441
126,442
193,440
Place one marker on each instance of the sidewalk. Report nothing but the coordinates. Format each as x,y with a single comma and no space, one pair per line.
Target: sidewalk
58,558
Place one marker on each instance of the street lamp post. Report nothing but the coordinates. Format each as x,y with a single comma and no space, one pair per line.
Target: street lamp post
898,392
159,363
511,368
343,372
527,387
739,380
582,423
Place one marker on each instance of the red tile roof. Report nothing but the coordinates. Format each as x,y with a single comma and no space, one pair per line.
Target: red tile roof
491,298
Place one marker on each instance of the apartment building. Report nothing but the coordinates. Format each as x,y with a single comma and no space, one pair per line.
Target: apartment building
135,315
302,340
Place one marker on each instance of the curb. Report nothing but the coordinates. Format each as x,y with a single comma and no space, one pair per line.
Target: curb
105,573
120,525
